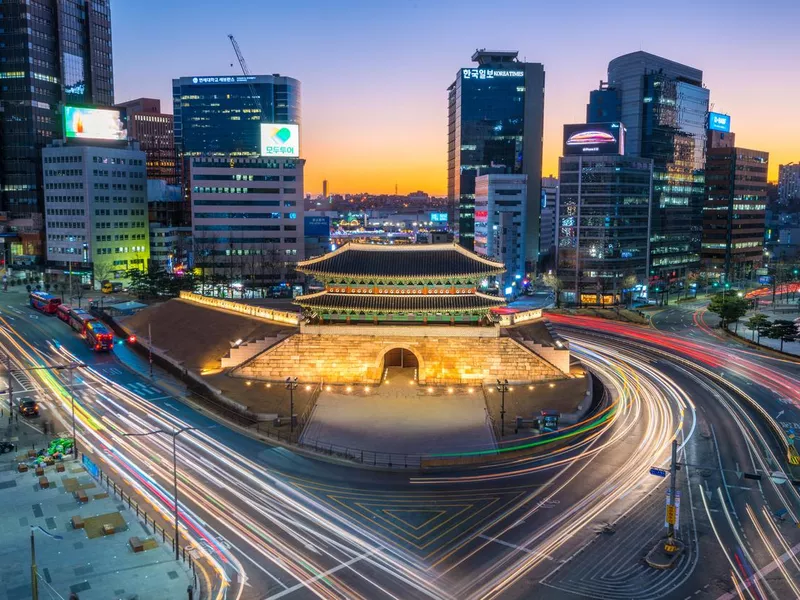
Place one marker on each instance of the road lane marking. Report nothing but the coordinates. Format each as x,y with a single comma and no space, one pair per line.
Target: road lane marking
515,547
339,567
763,572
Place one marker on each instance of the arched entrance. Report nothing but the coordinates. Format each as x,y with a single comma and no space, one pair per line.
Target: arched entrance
400,357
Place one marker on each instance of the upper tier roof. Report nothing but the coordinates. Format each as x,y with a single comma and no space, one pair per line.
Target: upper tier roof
407,262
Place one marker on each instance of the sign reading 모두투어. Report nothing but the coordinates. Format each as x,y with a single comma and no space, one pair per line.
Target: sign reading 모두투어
280,139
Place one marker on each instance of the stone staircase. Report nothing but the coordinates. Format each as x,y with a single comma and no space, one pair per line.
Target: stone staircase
248,350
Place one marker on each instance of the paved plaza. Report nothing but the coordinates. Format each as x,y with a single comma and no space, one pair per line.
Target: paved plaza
401,417
92,563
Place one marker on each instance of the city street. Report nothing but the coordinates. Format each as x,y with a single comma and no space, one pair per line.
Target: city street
272,523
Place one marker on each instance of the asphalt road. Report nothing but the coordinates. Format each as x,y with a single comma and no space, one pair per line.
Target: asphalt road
276,524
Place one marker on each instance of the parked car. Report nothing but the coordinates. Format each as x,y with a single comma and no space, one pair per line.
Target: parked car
28,407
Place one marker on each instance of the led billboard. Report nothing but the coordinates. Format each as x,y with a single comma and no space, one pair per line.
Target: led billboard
594,138
439,217
719,122
93,124
280,139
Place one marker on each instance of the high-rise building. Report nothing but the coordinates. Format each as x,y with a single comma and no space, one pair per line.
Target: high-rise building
247,217
788,183
500,222
52,52
735,208
547,223
325,188
95,210
496,118
602,218
154,132
663,106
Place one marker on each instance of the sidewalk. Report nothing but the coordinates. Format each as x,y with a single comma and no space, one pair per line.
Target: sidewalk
772,315
94,564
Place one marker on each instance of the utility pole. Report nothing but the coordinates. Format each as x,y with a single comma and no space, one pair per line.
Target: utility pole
150,347
673,484
34,575
10,385
291,385
70,281
71,368
502,387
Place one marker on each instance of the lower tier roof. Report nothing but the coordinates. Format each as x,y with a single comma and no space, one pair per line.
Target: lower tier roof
385,303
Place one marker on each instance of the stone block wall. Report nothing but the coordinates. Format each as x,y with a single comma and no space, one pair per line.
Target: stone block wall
359,359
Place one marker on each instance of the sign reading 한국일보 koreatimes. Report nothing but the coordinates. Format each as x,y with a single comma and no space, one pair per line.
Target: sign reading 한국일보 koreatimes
280,139
594,138
317,226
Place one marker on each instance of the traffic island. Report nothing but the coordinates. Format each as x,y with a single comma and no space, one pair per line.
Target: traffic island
665,554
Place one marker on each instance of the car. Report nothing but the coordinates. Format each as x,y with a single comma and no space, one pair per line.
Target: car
6,447
28,407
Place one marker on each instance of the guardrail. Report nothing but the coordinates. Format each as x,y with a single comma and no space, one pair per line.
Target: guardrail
261,312
118,491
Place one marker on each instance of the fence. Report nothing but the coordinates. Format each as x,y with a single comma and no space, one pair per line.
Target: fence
118,491
280,316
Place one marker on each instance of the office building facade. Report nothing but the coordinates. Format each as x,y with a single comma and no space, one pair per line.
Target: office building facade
495,119
95,210
52,52
154,131
788,183
500,225
735,209
547,224
247,217
663,106
603,224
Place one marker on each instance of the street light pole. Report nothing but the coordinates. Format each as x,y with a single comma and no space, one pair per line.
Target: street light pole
502,387
34,575
291,385
10,385
150,347
673,484
174,433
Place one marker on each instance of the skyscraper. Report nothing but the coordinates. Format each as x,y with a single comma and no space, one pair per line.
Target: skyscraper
788,183
496,119
735,208
154,131
52,52
663,105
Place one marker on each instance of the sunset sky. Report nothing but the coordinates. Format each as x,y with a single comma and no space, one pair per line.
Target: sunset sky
375,72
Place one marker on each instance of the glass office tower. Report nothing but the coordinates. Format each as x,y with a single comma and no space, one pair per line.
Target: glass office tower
496,118
663,106
52,52
602,224
221,115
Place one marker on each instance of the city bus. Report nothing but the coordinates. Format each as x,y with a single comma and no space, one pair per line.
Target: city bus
78,319
47,303
63,312
98,337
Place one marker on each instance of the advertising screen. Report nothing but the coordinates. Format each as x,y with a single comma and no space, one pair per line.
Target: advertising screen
594,138
317,226
280,139
719,122
439,217
93,124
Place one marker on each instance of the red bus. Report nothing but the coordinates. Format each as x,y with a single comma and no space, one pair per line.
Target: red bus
98,337
78,319
62,312
47,303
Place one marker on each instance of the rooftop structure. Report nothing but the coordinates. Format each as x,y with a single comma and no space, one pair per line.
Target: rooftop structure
436,283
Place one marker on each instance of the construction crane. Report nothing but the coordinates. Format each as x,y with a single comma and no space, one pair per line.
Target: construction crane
246,71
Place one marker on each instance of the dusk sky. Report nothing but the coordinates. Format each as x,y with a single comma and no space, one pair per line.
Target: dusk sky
375,72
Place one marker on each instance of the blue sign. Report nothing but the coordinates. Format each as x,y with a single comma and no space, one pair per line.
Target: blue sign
90,466
765,279
658,472
317,226
719,122
439,217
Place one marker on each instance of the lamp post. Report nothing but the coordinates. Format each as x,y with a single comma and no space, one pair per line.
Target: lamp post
291,385
502,387
174,433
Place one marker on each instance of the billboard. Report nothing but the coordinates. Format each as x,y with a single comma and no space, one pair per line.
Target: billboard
594,138
439,217
317,226
719,122
280,139
93,124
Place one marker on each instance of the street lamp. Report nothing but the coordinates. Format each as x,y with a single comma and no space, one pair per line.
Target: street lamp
502,387
174,433
291,385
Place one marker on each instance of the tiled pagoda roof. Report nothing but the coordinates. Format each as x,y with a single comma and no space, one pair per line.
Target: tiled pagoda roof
400,303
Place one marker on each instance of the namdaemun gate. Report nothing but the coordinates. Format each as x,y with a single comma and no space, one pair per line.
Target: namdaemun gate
404,306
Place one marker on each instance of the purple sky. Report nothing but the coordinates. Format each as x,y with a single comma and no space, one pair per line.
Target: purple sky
375,73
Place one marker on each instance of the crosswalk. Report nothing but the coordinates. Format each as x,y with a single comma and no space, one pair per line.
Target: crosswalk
144,390
24,381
